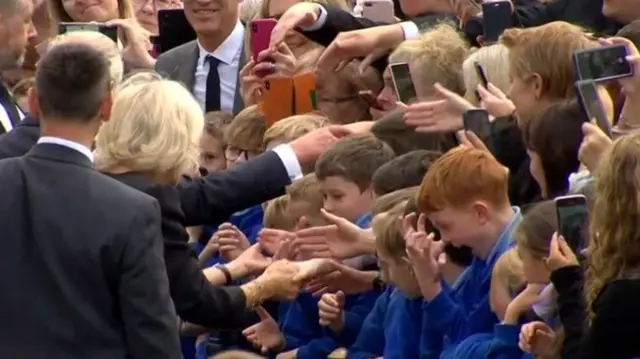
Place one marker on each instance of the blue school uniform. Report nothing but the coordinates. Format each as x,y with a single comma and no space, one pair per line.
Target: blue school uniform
458,314
501,344
303,332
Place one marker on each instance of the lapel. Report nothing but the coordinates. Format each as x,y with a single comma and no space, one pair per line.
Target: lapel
186,70
238,104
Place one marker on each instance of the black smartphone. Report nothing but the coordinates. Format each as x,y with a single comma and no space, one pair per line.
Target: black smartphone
573,220
497,18
482,78
477,121
109,31
403,83
602,64
173,29
591,105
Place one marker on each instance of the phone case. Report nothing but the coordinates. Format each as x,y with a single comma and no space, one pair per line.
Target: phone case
497,18
304,93
277,101
261,35
378,10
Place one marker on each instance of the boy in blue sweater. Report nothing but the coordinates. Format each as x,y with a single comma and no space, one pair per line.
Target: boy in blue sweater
464,195
394,327
344,175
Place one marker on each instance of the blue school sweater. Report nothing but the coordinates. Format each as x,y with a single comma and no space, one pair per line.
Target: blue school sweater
248,221
391,329
501,344
302,330
458,314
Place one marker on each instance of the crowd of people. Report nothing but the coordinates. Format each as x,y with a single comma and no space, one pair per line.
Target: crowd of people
155,206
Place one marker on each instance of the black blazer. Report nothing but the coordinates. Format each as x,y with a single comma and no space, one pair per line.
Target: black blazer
19,141
195,299
82,261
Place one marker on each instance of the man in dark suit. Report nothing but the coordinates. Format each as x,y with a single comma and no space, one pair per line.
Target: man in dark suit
84,252
17,29
210,65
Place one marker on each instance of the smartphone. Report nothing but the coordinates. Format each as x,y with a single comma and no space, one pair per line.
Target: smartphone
173,29
371,99
602,64
497,18
304,94
403,83
378,11
482,78
591,105
261,35
109,31
277,99
477,121
573,220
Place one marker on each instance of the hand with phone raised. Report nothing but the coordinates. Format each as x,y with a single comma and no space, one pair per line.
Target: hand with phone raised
594,143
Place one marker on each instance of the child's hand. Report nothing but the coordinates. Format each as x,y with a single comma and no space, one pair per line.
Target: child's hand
423,252
522,302
266,334
538,339
330,311
249,262
271,239
232,241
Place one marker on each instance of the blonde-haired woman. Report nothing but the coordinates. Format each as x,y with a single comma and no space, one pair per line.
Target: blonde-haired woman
150,141
612,285
494,60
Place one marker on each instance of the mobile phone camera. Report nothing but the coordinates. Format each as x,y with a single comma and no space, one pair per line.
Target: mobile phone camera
254,27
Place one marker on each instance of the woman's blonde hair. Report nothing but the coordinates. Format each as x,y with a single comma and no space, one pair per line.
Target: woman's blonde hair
155,127
494,60
614,250
99,42
436,57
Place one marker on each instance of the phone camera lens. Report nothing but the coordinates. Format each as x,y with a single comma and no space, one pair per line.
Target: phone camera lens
254,28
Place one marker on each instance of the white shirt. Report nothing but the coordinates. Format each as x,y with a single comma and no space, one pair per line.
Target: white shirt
6,121
409,28
228,53
289,160
67,143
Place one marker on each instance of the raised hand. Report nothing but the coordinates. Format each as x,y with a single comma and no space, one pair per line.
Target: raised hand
313,268
331,311
339,239
310,146
271,239
299,15
279,280
344,278
232,241
444,115
250,262
251,85
266,334
280,61
594,143
423,252
522,302
560,254
495,101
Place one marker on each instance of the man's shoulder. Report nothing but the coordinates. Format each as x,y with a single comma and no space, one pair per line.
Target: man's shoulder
176,54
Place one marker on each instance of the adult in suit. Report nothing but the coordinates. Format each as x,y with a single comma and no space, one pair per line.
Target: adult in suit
209,66
146,109
26,133
84,251
16,28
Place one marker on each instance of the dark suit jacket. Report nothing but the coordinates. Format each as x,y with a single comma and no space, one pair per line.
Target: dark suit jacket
179,64
339,21
195,299
19,141
82,263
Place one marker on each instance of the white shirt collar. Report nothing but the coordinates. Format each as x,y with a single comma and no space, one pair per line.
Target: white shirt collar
229,48
67,143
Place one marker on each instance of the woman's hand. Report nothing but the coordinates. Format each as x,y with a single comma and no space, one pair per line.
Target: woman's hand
594,144
137,44
251,86
495,101
280,61
444,115
560,254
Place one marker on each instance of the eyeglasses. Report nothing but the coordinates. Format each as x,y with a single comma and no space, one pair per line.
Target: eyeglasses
232,153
